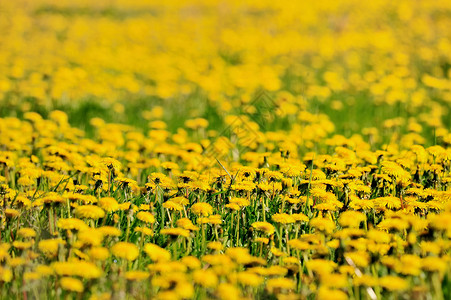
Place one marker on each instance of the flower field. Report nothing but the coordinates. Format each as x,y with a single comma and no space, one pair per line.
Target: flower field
225,149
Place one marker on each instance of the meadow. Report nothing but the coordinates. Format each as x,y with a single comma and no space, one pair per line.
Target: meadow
225,149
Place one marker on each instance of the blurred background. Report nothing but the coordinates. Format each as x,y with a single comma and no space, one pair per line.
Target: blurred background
369,67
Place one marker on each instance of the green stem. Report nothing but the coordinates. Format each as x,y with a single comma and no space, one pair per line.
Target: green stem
203,237
127,233
237,231
307,212
51,220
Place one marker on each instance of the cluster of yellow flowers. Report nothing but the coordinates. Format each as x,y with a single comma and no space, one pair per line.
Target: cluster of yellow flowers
263,190
99,212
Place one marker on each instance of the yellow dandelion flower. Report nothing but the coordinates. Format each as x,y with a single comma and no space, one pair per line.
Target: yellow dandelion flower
227,291
144,230
144,207
393,283
111,163
360,258
215,219
264,227
240,255
334,244
393,169
99,253
171,205
175,231
277,252
215,246
364,280
298,244
71,224
393,223
233,206
329,206
22,245
283,218
291,260
110,231
191,262
89,212
202,209
334,280
50,247
241,202
146,217
26,233
326,293
300,217
186,224
275,285
435,264
44,270
53,197
5,274
323,224
249,279
180,200
262,240
136,275
80,268
358,204
71,284
125,250
409,265
11,213
379,236
109,204
351,218
321,266
205,278
16,261
156,253
90,236
389,202
124,206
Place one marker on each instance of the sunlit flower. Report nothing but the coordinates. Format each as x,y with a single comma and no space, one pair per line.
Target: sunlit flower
71,284
186,224
125,250
156,253
71,224
202,209
275,285
136,275
215,246
264,226
50,247
89,212
393,283
109,231
109,204
80,268
283,218
146,217
171,205
26,232
205,278
351,218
